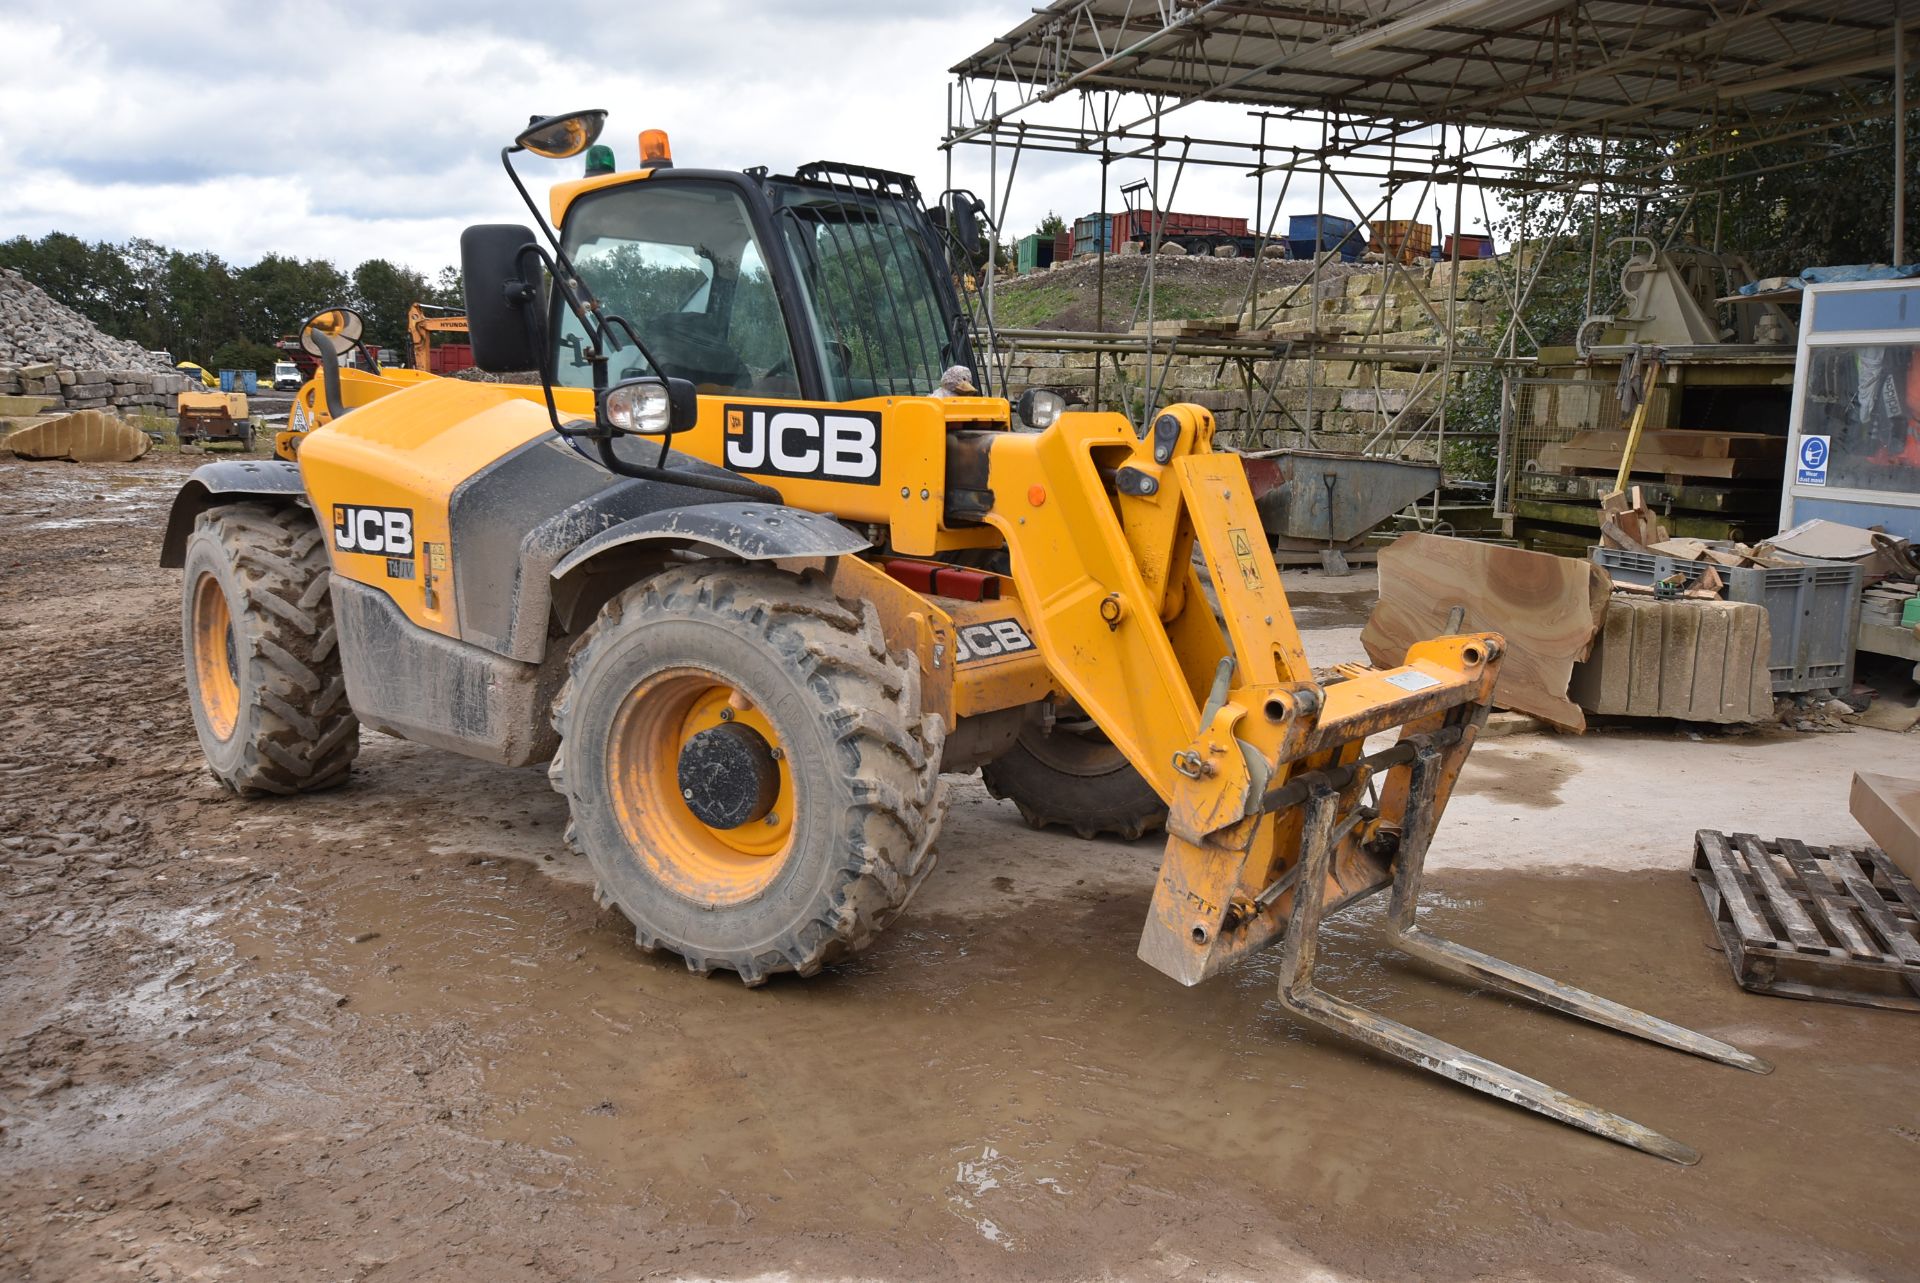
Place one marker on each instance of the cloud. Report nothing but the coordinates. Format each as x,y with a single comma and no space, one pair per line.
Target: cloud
349,131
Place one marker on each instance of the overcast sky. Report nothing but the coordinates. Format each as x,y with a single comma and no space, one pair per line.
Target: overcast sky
372,130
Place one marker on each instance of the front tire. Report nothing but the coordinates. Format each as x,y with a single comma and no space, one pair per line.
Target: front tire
748,770
263,668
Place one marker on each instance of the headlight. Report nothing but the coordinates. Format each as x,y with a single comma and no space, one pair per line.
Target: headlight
642,407
1038,408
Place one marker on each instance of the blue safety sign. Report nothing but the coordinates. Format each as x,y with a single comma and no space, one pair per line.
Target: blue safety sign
1814,455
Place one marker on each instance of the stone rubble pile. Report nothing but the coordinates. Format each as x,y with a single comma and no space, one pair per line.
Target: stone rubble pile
49,350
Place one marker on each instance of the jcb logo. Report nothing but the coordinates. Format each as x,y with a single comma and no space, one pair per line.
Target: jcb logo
992,638
842,445
380,532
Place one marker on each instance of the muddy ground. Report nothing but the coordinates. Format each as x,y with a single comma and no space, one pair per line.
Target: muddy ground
385,1033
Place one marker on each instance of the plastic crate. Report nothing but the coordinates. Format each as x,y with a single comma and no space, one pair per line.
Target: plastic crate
1813,610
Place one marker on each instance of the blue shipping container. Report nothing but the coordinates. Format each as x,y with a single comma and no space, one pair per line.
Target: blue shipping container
1088,237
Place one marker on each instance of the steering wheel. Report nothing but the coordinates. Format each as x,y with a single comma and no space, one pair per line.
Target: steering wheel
684,343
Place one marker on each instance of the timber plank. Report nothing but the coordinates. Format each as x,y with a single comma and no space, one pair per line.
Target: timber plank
1569,456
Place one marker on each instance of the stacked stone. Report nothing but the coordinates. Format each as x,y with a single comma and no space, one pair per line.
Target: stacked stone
1345,400
49,350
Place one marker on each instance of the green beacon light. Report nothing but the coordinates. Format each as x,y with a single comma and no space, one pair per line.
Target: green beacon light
599,160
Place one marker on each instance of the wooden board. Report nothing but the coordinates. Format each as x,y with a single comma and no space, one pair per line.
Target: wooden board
1568,457
1548,608
1699,445
1587,516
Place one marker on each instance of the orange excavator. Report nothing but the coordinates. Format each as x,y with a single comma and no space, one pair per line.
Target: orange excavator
424,320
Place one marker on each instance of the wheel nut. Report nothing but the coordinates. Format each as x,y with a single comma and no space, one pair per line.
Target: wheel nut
726,714
687,793
773,817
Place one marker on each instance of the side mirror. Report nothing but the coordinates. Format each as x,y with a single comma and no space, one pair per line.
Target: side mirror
558,137
332,332
648,406
505,311
967,224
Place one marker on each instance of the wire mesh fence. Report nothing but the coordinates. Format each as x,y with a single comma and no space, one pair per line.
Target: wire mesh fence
1536,413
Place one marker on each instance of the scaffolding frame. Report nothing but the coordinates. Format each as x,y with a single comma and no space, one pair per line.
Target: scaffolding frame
1408,96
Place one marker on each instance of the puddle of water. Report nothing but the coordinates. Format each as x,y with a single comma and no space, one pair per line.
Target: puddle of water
73,502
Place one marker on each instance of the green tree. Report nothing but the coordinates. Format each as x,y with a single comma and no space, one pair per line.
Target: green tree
449,289
191,304
278,294
1051,226
243,354
382,292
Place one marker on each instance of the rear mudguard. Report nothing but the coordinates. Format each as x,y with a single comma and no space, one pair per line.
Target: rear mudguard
231,480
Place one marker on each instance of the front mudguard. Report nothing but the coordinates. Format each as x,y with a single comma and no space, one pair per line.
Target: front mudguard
231,480
746,531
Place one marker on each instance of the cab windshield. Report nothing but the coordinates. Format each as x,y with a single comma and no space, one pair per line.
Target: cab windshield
681,263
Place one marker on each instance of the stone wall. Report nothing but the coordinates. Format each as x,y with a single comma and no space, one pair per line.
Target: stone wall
1343,401
48,350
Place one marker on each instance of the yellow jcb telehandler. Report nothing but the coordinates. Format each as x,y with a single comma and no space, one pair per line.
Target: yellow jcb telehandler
750,566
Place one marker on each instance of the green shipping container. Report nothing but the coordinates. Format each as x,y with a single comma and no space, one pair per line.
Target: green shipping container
1033,253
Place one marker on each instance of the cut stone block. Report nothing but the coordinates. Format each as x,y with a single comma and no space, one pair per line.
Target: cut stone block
90,436
1699,661
21,406
1889,810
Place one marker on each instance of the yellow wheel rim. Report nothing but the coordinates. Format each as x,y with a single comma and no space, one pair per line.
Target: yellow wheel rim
216,661
710,865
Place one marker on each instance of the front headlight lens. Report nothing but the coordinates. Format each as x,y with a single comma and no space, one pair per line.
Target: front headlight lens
644,409
1038,408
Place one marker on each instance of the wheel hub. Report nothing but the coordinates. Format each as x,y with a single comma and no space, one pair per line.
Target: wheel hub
728,775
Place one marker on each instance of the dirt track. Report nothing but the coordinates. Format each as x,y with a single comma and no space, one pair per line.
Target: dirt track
385,1034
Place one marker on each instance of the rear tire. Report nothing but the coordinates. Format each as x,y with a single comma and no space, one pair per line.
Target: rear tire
263,669
1074,777
842,816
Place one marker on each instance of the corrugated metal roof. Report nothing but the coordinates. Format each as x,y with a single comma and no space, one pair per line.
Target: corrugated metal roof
1656,68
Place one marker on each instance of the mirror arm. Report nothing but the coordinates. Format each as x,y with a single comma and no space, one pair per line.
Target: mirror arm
559,266
615,318
539,219
330,381
586,309
536,324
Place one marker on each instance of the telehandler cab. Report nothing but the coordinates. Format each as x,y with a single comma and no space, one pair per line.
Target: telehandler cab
745,560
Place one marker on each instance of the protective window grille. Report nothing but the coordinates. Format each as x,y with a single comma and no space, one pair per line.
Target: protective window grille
862,240
1537,413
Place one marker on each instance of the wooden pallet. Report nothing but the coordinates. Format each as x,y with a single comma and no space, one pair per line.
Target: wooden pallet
1837,924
